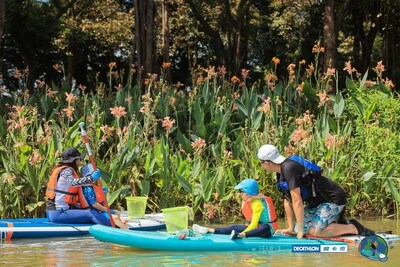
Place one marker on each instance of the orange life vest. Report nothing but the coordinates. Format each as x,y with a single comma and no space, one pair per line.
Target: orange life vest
269,207
100,196
71,196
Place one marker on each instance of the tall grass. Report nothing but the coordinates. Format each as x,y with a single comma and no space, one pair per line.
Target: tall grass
192,145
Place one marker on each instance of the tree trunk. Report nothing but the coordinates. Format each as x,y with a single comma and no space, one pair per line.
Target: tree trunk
329,35
165,37
232,53
2,17
144,34
364,39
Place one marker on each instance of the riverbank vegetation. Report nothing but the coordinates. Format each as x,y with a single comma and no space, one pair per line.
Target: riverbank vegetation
191,145
177,97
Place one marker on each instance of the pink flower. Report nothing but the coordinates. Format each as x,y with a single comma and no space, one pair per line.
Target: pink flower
70,98
69,111
330,141
330,71
199,145
167,123
379,68
266,106
118,111
35,158
245,73
298,135
348,68
323,98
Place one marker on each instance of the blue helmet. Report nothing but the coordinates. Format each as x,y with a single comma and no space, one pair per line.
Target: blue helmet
87,170
249,186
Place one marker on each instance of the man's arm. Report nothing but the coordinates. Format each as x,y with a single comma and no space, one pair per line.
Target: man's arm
298,210
289,214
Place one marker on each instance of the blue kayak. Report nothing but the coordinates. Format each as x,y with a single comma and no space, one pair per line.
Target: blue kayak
42,228
208,242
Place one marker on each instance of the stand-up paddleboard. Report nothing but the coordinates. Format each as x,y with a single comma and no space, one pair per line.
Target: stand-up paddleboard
42,228
209,242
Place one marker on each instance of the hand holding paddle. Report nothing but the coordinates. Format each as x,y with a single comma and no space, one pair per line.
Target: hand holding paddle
96,173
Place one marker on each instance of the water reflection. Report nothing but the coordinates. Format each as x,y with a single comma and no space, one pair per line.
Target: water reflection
86,251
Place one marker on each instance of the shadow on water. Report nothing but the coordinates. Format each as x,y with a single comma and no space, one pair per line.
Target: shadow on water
86,251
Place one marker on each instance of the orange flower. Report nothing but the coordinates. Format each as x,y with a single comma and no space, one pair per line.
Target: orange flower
276,60
389,84
317,48
118,111
271,78
210,72
166,65
235,80
300,87
111,65
310,69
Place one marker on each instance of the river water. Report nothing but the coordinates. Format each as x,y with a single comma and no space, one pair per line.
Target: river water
87,251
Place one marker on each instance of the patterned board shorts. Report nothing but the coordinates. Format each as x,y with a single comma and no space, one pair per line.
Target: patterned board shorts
321,216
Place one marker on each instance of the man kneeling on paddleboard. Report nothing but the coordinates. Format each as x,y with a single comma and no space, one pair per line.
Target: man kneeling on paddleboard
258,210
312,200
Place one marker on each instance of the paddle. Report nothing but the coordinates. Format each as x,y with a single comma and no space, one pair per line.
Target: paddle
91,158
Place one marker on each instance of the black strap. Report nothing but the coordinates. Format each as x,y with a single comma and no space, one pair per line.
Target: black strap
63,192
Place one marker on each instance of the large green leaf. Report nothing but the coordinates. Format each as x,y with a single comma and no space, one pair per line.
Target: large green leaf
338,105
310,93
199,119
184,183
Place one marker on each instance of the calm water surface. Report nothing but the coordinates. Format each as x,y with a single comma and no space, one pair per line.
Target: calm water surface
86,251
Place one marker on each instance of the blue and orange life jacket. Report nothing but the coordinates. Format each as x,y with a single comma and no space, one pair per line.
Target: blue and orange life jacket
100,196
268,214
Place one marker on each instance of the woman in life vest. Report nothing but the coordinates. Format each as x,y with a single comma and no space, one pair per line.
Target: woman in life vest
93,197
62,194
258,211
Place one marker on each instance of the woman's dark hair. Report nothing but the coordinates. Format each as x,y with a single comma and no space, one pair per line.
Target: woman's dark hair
73,165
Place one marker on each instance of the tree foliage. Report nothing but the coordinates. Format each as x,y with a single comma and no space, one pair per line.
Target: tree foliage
87,35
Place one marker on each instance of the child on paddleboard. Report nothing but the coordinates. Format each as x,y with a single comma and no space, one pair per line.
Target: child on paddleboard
258,211
94,199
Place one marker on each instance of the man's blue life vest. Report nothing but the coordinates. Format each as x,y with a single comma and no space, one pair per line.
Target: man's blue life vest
308,165
311,173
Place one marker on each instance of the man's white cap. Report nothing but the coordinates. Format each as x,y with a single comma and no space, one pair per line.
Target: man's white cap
271,153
